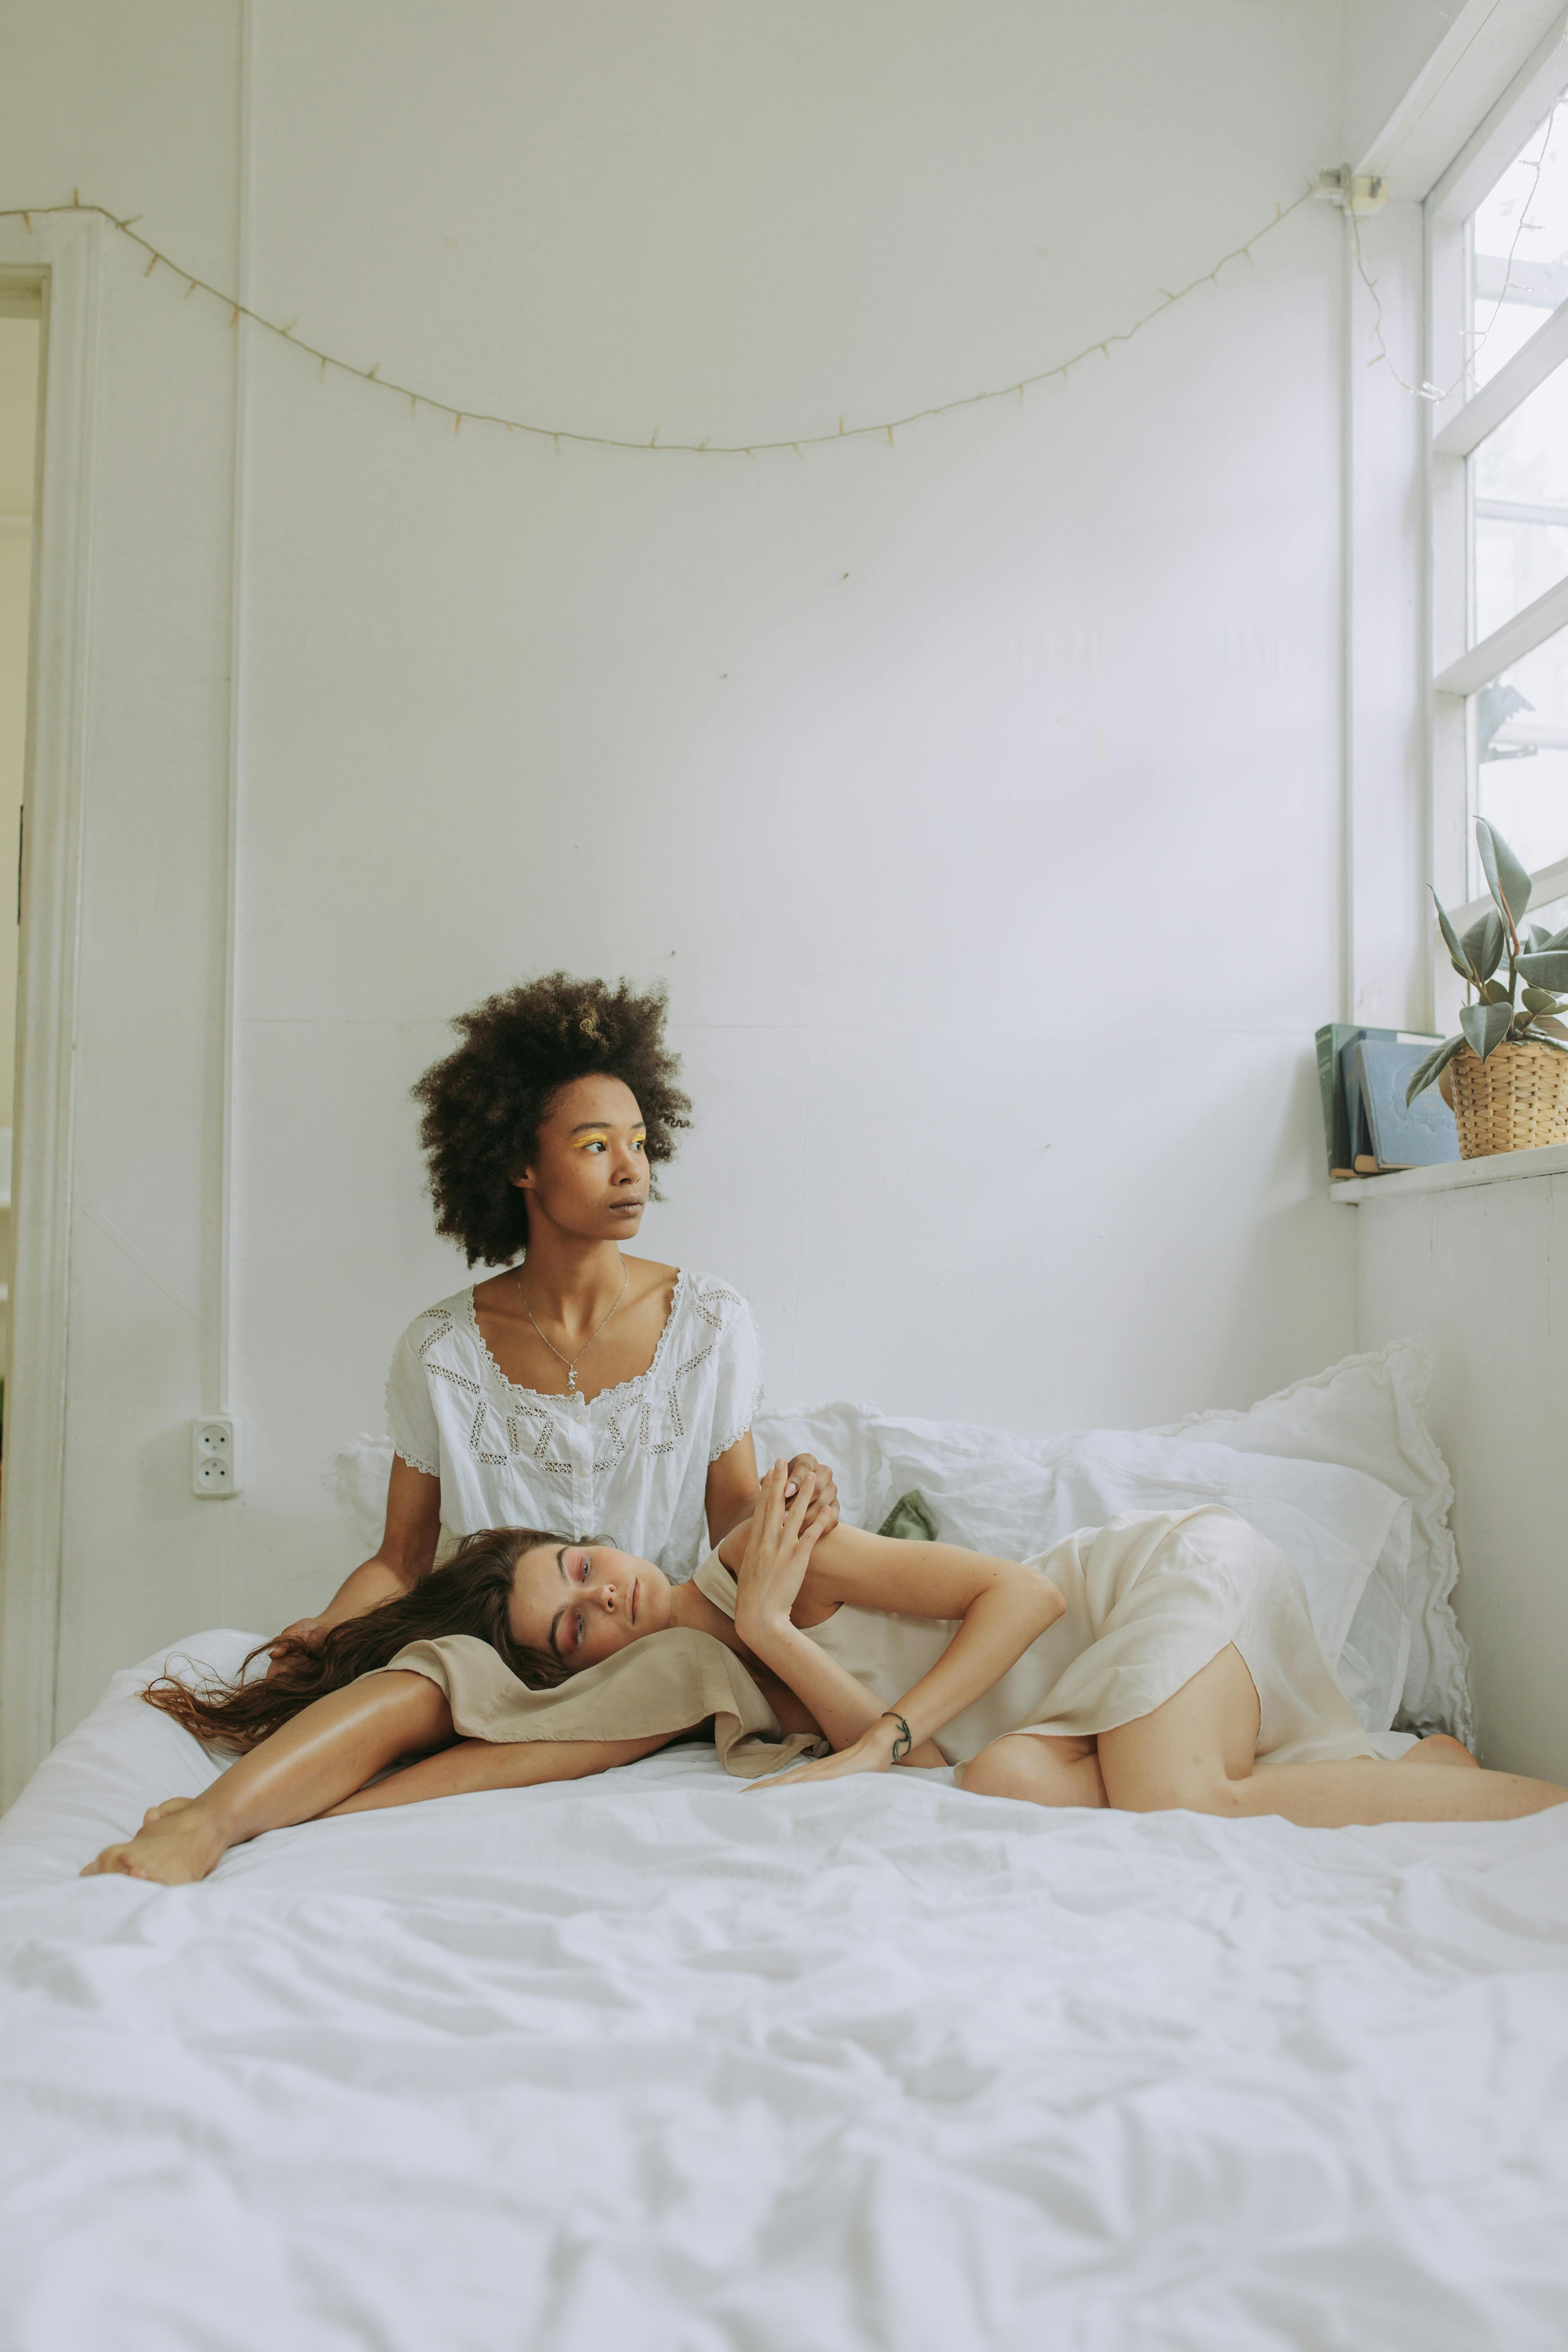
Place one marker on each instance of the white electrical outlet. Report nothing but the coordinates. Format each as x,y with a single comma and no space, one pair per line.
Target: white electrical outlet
215,1456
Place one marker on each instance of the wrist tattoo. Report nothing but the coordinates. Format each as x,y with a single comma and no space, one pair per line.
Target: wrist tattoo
902,1743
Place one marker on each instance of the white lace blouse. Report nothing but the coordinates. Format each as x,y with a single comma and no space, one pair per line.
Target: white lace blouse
630,1468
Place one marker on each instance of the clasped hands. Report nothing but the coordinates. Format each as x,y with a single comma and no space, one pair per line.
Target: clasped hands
782,1532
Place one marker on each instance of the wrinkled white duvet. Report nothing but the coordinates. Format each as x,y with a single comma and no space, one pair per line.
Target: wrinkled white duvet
658,2064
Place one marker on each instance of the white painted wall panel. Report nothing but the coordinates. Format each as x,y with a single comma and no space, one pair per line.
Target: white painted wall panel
1482,1274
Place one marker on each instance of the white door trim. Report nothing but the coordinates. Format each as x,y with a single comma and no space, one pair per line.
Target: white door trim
63,252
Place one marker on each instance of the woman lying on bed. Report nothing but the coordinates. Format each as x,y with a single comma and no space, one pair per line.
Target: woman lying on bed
1165,1660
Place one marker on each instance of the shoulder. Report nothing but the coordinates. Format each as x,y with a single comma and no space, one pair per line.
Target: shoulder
714,1301
435,1323
650,1273
649,1282
496,1290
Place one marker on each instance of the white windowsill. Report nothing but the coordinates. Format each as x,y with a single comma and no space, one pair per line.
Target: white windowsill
1500,1168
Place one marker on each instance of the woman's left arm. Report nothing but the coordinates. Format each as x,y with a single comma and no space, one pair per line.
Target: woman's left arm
473,1765
1003,1606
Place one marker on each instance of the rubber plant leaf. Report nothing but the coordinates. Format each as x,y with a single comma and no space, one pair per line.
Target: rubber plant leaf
1452,941
1484,943
1432,1068
1548,970
1554,1027
1506,877
1540,1000
1484,1026
1494,993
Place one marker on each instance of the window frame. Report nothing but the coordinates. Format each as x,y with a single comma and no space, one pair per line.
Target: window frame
1458,426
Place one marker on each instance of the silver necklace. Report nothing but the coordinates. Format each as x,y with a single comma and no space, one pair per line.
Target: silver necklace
577,1359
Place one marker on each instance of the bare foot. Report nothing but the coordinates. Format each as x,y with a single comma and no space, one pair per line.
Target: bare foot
1438,1749
176,1845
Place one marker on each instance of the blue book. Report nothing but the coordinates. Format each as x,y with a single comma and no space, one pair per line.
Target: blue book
1387,1132
1334,1041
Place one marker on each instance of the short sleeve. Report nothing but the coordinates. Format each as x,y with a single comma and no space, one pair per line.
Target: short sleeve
410,1415
738,1353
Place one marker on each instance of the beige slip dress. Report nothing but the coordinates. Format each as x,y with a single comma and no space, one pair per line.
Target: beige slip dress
1152,1597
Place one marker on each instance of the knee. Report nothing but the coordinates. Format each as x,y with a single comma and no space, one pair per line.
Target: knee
1438,1747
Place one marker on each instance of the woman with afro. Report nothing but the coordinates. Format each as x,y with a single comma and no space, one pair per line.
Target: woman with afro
580,1389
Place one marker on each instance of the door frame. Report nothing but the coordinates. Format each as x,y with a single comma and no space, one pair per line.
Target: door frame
62,255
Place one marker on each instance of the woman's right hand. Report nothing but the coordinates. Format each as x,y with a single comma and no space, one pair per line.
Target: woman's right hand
778,1553
308,1632
374,1580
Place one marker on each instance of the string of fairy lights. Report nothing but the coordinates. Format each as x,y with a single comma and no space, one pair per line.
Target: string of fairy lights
563,435
1436,394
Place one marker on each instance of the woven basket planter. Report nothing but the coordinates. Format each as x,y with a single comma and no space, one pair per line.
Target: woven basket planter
1513,1101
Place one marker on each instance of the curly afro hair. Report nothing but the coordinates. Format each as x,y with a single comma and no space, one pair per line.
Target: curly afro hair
485,1104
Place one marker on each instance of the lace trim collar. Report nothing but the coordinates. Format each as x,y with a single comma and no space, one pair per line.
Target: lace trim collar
534,1400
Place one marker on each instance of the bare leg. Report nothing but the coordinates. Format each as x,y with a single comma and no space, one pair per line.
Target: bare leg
1039,1770
1195,1752
329,1749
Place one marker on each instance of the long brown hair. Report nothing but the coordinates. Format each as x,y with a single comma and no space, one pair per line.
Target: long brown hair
470,1593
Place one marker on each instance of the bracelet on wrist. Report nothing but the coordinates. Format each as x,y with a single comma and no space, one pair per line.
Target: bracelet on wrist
903,1742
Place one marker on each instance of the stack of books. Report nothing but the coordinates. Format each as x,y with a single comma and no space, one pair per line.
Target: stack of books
1369,1127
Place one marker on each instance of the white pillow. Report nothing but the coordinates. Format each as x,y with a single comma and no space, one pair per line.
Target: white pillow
842,1436
1369,1412
1017,1496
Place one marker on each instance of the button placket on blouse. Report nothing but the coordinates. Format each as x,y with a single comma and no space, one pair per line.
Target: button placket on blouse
577,1439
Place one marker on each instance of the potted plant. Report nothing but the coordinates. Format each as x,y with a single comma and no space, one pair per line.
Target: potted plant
1506,1074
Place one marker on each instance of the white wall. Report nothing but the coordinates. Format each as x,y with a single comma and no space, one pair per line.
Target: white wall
1386,43
979,798
1482,1274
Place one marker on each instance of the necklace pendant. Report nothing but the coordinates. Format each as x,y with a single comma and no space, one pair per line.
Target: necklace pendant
571,1379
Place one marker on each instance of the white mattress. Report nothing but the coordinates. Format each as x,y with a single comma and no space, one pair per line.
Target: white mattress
655,2064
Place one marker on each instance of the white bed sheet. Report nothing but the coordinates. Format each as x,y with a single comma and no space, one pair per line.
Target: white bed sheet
658,2064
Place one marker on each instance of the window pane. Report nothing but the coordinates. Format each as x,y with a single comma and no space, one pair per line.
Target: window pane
1519,482
1550,918
1521,724
1520,247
